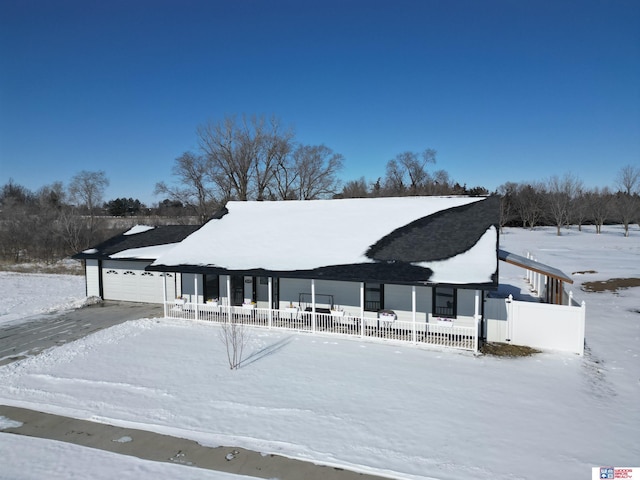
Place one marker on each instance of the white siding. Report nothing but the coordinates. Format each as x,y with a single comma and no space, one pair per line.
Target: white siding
173,284
92,275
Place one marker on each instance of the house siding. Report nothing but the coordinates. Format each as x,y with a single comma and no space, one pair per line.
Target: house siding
92,272
346,297
188,287
399,299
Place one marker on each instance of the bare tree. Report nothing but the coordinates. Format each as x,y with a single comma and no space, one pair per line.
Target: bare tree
317,168
394,181
628,179
74,231
441,184
355,189
579,209
599,203
229,154
530,203
285,178
560,193
272,147
234,337
627,208
407,172
15,232
243,155
194,185
87,188
627,202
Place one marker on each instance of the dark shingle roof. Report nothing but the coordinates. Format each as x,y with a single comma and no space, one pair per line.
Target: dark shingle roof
439,236
160,235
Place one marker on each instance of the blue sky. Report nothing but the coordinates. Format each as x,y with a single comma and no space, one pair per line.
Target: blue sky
504,90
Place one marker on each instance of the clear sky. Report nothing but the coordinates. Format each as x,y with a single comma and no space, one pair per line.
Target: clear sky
504,90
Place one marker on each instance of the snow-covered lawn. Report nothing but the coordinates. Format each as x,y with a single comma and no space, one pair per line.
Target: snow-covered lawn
374,407
27,294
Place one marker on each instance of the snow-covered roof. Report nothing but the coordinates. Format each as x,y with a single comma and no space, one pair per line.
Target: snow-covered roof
473,266
337,235
139,242
138,229
144,253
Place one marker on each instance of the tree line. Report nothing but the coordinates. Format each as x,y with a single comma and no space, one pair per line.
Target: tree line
563,201
254,158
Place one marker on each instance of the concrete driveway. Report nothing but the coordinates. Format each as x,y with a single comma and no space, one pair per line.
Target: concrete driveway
30,337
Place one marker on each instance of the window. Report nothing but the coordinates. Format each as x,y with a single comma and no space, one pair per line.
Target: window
211,287
373,297
444,302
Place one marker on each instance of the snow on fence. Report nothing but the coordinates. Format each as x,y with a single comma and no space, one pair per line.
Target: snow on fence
539,325
465,338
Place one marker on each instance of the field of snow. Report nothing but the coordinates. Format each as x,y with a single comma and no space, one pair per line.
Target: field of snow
400,411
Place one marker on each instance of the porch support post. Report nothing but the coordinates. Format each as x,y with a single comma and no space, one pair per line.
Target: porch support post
313,305
164,293
476,317
509,304
229,298
539,286
413,313
362,309
195,292
270,288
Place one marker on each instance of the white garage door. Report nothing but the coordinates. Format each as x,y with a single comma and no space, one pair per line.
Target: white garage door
122,280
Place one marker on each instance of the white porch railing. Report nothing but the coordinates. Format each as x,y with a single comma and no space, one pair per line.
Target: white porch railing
465,338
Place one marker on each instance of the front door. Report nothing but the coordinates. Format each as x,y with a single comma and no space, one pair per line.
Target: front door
237,289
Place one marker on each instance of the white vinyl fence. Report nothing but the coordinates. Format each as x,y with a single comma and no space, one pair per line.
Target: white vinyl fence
465,338
538,325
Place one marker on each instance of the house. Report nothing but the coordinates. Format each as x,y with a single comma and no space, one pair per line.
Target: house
417,260
418,269
115,269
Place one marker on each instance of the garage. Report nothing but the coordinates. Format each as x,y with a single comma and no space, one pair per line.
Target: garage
115,269
128,281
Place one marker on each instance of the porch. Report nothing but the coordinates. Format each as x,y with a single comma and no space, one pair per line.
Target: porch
336,323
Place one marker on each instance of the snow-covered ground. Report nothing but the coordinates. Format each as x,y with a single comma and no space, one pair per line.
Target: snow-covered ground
401,411
37,459
24,295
